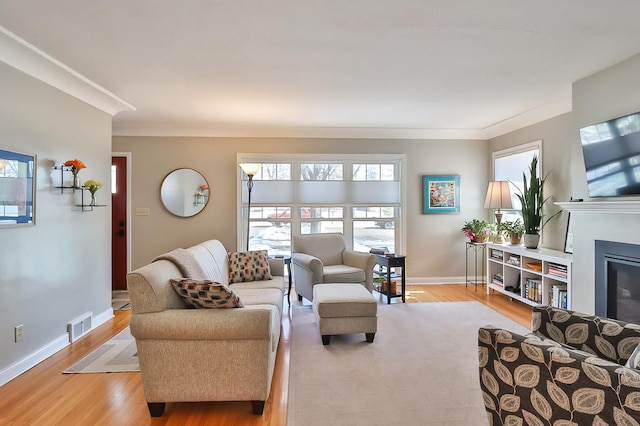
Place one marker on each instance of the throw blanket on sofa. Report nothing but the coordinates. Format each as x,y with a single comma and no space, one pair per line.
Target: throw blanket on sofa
186,263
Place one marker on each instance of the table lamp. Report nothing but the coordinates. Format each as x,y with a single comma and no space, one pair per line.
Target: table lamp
498,197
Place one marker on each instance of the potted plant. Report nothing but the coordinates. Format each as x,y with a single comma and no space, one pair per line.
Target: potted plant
515,229
476,230
532,200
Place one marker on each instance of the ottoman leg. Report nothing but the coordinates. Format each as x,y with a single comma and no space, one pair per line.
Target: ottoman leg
326,339
370,337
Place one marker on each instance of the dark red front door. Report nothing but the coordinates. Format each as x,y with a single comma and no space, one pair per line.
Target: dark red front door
119,225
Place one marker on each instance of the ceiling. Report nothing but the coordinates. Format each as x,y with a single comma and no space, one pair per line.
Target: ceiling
331,68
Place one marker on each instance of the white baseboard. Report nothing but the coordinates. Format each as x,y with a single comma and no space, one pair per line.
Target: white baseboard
48,350
435,280
101,318
34,359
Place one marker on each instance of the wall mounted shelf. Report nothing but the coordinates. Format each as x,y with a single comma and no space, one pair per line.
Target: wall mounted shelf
62,187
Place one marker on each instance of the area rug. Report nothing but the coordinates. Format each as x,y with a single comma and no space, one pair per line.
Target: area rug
118,355
421,369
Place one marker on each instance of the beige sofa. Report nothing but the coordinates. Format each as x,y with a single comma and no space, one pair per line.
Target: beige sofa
205,354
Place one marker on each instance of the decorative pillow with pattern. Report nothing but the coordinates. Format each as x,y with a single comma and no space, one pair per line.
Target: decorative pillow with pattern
206,294
249,266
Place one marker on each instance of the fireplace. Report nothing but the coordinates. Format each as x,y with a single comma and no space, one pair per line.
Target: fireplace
617,277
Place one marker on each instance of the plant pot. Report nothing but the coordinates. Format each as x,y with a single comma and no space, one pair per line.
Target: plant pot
480,239
531,240
516,238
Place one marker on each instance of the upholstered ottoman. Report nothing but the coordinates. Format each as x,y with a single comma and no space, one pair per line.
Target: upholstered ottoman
344,309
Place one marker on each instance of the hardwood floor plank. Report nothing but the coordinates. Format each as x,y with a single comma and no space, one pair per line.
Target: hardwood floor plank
45,396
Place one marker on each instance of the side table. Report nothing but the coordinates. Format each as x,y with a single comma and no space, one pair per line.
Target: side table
475,248
386,263
287,261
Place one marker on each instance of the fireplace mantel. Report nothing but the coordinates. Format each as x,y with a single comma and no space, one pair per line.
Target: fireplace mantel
632,207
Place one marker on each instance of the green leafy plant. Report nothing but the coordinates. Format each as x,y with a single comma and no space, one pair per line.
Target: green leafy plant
476,227
513,226
532,200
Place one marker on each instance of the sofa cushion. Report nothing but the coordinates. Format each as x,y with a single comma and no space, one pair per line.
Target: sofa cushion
249,266
206,294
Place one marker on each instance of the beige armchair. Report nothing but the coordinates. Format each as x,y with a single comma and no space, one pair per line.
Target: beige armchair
324,258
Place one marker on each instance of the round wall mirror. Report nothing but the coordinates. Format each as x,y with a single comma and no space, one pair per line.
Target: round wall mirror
184,192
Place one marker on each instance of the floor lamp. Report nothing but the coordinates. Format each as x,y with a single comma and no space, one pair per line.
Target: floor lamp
498,197
250,169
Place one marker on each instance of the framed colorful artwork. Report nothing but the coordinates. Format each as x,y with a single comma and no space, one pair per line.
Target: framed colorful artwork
441,194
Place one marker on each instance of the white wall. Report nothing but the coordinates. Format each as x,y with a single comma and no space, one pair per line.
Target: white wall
434,242
59,269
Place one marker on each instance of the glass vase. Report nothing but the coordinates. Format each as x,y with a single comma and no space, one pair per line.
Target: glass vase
94,200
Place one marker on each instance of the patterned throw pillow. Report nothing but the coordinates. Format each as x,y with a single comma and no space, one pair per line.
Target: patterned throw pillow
249,266
206,294
634,359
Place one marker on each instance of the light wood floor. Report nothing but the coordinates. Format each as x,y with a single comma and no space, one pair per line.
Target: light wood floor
45,396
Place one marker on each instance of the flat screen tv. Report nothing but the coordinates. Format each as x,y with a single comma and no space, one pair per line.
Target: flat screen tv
611,151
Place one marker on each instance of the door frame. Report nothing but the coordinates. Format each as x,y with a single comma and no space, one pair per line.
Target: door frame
128,214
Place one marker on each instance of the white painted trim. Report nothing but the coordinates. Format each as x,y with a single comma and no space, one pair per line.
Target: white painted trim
248,131
102,318
630,207
27,58
34,359
436,280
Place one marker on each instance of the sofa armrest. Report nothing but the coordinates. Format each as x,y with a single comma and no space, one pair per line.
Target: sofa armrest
311,263
277,266
525,377
362,260
203,324
607,338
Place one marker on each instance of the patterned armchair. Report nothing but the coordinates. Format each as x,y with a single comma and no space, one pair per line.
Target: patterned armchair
569,371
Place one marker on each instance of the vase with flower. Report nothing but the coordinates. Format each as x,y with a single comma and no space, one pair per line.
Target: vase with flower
476,230
75,165
93,186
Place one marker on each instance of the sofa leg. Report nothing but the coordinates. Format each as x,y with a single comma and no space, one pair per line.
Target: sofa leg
370,337
299,298
326,339
156,409
258,407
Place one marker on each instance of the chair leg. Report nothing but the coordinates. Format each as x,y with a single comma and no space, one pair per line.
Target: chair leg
156,409
370,337
299,298
258,407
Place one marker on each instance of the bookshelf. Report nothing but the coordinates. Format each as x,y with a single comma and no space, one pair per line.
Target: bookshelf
532,276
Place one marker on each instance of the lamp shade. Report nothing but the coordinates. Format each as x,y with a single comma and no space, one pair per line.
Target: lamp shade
498,195
250,168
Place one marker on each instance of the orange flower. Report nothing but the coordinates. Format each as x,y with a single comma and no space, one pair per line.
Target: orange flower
204,186
75,163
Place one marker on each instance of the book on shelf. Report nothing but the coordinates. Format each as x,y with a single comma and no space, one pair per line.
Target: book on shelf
557,270
498,279
497,254
559,296
533,290
514,260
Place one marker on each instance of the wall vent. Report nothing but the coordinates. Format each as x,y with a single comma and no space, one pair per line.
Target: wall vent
79,326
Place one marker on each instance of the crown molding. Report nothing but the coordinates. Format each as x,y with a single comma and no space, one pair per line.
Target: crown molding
27,58
561,105
252,131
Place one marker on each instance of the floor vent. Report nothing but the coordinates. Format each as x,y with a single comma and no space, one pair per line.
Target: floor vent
79,326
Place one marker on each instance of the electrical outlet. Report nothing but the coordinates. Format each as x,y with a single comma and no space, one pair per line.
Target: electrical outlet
17,331
142,211
412,264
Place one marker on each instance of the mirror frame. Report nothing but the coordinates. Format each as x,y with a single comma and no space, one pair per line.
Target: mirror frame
20,193
194,192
